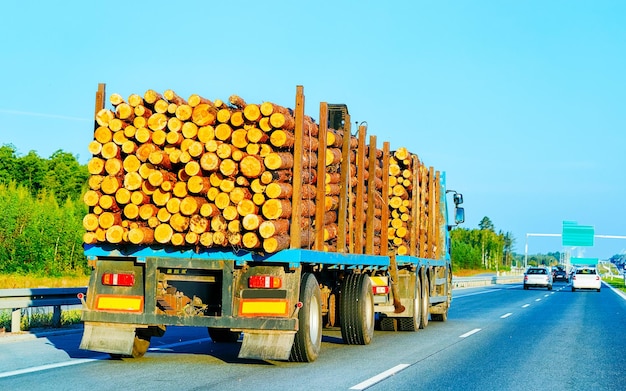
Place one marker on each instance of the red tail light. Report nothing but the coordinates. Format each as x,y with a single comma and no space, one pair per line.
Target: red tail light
118,279
380,290
267,282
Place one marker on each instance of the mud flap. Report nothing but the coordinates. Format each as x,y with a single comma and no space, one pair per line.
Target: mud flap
266,345
108,338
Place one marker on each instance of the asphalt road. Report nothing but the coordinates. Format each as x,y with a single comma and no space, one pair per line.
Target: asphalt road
496,338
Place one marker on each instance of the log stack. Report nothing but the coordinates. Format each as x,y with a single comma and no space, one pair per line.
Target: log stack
203,173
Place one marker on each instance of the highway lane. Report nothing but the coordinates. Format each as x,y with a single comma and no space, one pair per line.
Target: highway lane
484,345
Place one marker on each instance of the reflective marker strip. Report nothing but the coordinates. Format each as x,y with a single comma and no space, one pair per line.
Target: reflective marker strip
263,307
379,281
119,303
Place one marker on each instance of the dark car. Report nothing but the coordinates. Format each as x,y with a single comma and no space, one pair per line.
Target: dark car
559,273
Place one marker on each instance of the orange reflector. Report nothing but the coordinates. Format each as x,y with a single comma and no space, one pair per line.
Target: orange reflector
119,303
262,281
118,279
260,307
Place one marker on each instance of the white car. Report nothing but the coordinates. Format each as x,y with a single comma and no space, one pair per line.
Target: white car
538,277
586,278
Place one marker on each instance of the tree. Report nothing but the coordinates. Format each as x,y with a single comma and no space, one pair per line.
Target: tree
65,177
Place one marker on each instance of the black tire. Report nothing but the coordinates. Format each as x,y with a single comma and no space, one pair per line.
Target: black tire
412,323
222,335
549,287
573,289
424,313
308,340
356,307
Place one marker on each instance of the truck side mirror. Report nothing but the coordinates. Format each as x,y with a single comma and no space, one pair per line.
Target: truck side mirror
458,198
459,215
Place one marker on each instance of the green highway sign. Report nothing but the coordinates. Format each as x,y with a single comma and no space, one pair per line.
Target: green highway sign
577,235
584,261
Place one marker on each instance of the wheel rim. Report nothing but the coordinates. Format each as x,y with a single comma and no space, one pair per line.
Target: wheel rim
314,324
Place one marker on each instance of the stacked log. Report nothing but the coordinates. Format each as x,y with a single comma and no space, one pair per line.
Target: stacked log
202,173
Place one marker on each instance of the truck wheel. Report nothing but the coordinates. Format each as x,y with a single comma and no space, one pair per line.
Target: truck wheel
356,310
412,323
308,340
220,335
425,303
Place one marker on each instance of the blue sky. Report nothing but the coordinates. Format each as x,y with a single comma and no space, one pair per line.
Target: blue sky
521,103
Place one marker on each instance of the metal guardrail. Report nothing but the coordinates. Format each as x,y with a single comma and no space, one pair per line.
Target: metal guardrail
468,282
17,299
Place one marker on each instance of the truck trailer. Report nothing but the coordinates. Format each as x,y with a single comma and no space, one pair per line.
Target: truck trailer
259,223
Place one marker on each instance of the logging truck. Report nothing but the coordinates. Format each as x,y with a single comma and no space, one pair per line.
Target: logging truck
260,223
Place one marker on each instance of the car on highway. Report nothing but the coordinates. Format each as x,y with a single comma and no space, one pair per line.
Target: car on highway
559,273
586,277
538,276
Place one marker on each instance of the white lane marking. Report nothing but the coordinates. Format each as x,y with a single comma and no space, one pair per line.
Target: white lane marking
471,332
381,376
475,293
50,366
97,358
506,315
546,295
525,305
537,299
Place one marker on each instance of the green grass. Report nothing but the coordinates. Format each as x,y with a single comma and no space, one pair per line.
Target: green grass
39,318
617,283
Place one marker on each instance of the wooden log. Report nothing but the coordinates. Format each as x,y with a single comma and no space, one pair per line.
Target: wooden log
198,184
279,160
91,222
198,224
276,209
194,100
236,119
147,211
278,190
141,235
223,132
270,228
209,210
179,222
157,121
103,134
252,112
192,238
239,194
282,139
173,205
163,233
229,168
110,150
247,207
206,239
110,184
209,161
282,121
250,240
251,166
206,133
276,243
108,219
115,234
256,135
239,138
183,112
191,205
104,116
251,221
204,115
160,198
91,197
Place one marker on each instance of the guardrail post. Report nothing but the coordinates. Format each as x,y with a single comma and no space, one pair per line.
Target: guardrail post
56,316
16,318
